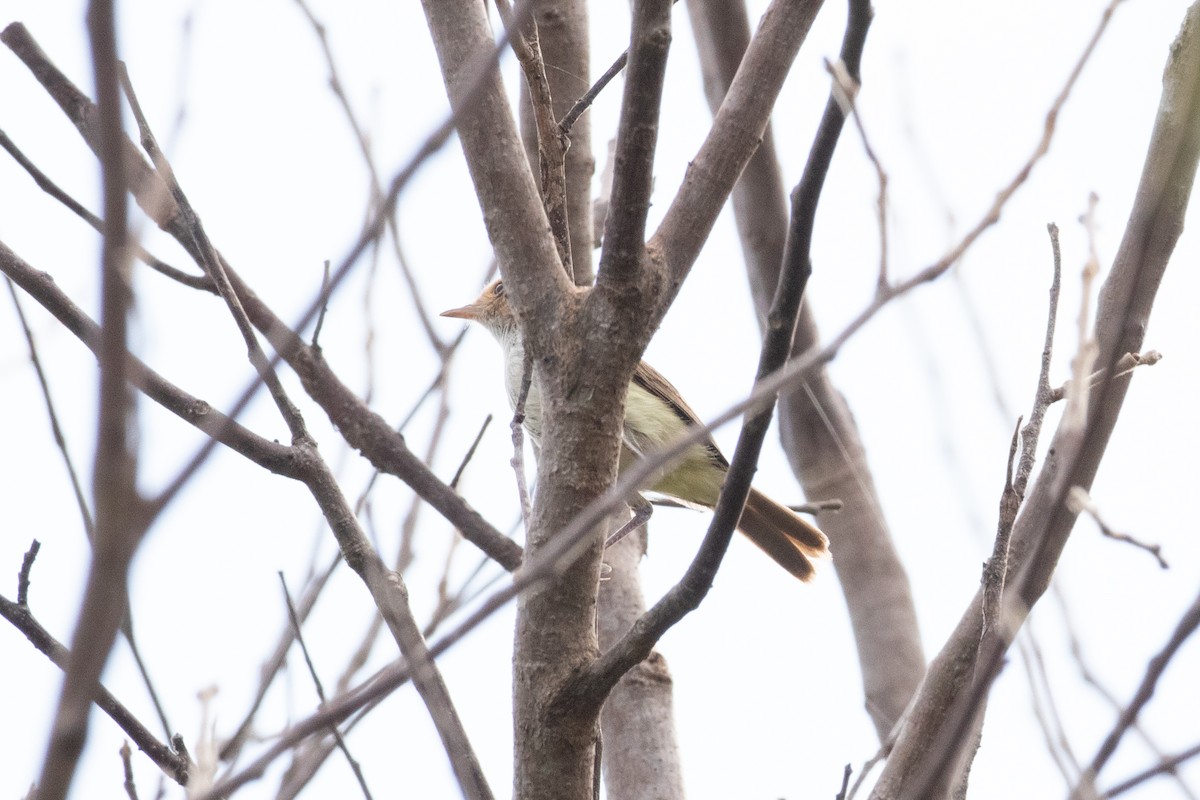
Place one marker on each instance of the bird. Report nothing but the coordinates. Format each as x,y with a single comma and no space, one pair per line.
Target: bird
655,415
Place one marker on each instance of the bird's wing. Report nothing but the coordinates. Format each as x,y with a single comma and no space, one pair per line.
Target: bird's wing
653,382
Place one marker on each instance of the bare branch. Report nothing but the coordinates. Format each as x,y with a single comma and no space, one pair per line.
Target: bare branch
846,773
517,427
127,764
956,684
26,570
1042,398
582,104
511,203
174,764
270,668
552,141
120,517
266,453
363,429
995,570
1186,626
1125,366
641,755
845,94
60,441
1166,766
1085,357
637,136
202,282
355,767
214,267
819,433
1080,501
737,128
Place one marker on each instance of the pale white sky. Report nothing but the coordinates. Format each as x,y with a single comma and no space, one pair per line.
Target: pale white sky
768,700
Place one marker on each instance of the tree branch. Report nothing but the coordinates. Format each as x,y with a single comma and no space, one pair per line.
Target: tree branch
737,129
552,141
621,261
508,196
41,287
819,433
120,517
1186,626
369,432
957,681
174,765
592,685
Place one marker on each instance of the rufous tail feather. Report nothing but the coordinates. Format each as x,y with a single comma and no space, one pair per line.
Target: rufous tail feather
792,541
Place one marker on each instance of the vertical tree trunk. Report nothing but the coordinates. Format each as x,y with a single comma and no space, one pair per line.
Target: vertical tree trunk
641,755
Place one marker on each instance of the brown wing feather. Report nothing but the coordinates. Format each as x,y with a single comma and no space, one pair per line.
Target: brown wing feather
650,379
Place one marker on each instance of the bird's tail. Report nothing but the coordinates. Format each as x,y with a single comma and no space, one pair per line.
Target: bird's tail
792,541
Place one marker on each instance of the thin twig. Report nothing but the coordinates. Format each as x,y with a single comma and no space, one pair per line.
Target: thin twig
355,767
462,466
1154,671
377,194
1045,709
23,575
215,268
449,604
127,764
845,92
996,568
1090,678
846,773
1042,397
1124,366
173,761
201,282
324,308
1081,365
1016,482
582,104
1165,766
1080,501
815,507
60,441
271,667
867,766
517,426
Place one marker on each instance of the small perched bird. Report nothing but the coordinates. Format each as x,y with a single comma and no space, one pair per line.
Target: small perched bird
655,414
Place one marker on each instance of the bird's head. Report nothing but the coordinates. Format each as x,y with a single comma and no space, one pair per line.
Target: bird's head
490,309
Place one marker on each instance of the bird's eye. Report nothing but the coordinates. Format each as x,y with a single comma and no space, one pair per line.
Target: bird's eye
498,289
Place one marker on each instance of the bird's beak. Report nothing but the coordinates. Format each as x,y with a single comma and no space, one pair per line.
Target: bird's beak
466,312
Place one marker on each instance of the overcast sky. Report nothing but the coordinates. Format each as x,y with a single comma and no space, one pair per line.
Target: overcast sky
768,700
